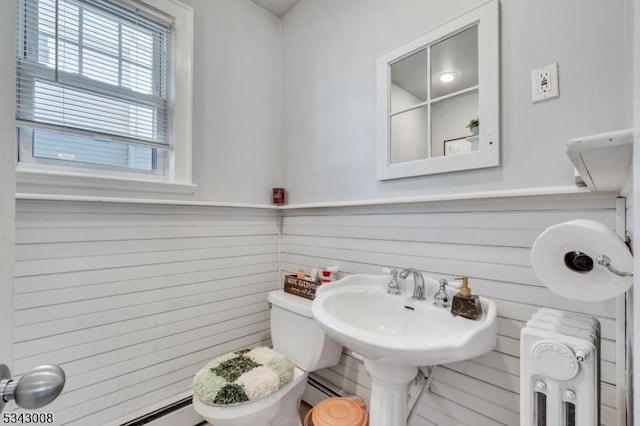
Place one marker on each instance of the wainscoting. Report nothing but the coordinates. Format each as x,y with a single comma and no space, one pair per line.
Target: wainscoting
487,240
131,300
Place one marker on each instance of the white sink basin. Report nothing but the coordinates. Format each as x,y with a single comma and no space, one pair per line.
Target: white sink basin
358,312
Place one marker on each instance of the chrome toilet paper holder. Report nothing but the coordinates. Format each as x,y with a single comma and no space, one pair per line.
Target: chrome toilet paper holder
581,262
605,261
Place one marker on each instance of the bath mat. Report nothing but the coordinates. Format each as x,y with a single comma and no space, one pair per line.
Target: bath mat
242,376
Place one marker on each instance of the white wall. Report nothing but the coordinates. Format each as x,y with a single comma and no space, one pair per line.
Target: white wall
7,182
236,111
329,48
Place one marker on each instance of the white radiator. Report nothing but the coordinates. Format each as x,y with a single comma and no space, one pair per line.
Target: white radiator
560,370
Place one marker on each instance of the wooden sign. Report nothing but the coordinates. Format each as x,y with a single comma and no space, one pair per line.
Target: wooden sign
302,288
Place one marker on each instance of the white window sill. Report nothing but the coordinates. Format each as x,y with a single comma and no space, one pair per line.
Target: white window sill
52,181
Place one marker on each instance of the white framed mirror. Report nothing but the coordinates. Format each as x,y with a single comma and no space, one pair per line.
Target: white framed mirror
438,99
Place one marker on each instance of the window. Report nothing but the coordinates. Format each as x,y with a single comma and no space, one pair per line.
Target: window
95,87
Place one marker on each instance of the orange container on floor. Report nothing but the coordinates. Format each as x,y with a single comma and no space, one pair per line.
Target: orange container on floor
338,412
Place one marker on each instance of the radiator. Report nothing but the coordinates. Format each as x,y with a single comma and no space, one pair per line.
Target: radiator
560,370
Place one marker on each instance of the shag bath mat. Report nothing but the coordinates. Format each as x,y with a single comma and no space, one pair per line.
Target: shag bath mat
242,376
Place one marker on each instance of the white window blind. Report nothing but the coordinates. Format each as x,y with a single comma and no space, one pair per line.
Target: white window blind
93,81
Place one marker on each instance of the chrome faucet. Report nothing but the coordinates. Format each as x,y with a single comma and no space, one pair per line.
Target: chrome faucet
418,282
393,287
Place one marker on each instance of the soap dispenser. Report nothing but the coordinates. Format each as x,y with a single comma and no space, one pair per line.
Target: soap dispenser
466,304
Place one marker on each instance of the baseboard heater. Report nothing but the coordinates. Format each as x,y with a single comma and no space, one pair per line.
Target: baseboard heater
319,389
180,412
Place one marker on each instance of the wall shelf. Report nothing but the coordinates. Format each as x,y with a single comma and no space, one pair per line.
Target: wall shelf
604,160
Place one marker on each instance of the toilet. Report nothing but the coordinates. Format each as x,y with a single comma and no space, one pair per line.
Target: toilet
295,335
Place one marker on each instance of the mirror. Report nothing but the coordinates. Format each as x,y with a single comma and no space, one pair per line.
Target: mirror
438,99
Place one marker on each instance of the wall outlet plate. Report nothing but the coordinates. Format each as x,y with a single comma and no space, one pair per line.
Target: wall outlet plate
544,83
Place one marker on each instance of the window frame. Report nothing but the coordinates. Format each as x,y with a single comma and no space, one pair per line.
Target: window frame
40,175
25,156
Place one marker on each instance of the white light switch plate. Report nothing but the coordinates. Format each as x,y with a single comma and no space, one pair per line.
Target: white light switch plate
544,82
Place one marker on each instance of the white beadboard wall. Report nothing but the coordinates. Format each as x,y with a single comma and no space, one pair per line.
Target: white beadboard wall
488,240
131,300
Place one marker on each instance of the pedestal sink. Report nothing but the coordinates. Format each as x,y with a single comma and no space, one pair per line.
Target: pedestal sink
395,340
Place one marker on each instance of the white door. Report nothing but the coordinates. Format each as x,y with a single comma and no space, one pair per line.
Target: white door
7,179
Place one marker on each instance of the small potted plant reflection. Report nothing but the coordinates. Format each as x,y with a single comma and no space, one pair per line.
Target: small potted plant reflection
474,126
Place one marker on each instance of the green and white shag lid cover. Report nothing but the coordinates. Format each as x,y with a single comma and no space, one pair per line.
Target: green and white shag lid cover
242,376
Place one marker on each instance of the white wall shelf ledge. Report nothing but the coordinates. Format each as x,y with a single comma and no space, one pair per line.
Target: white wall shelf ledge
478,195
603,161
123,200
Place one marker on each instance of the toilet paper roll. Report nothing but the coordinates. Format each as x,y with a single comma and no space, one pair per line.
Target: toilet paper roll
558,261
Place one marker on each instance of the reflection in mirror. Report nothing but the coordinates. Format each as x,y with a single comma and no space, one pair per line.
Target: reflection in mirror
409,132
449,120
409,81
445,98
454,63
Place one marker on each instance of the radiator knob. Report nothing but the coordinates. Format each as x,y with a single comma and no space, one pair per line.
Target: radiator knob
581,355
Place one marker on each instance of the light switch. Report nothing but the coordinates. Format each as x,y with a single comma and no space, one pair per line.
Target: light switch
544,83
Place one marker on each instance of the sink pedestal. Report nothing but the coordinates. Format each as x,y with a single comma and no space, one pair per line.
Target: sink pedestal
388,405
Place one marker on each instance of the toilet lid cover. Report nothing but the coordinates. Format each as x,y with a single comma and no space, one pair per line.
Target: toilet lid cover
242,376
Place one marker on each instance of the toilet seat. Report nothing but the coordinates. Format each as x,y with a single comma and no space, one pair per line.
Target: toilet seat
241,376
304,343
250,408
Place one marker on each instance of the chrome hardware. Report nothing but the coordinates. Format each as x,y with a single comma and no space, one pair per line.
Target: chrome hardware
605,261
418,282
393,287
35,389
270,305
440,299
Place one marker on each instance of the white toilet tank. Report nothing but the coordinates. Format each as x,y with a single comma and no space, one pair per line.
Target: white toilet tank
296,335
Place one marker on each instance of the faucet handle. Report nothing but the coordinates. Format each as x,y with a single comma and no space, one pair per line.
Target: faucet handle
392,287
441,298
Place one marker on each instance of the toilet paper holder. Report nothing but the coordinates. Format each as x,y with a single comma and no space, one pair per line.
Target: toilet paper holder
605,261
581,262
